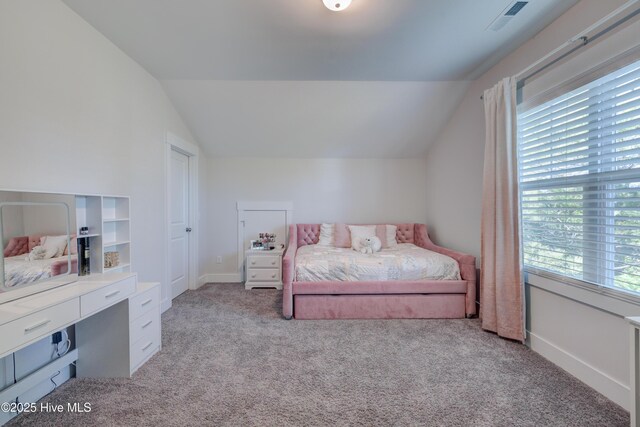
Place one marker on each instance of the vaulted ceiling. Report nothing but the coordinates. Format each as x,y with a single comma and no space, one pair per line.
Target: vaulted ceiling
291,78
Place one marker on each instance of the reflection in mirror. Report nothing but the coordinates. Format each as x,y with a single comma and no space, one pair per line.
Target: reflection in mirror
38,240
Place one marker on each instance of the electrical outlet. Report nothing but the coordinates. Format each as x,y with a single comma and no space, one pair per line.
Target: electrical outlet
219,260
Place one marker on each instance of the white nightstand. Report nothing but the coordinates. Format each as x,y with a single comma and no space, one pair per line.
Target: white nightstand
263,269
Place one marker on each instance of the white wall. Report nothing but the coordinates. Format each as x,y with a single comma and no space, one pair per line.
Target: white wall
12,217
79,116
27,220
322,190
48,219
453,214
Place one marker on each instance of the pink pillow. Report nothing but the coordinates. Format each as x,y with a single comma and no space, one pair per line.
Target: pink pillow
381,232
73,246
342,236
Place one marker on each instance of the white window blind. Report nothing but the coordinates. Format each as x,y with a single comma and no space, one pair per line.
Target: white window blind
579,173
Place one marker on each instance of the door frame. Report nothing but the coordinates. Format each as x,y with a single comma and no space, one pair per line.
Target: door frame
175,143
243,206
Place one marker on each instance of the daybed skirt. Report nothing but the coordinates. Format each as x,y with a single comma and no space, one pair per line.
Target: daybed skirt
408,306
405,261
381,287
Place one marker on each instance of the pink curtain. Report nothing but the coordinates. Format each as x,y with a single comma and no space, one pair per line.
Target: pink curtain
501,283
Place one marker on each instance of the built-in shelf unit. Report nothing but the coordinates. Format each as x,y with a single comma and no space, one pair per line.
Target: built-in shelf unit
109,230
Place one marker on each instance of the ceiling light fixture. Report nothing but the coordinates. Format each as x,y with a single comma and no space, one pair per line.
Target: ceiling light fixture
336,5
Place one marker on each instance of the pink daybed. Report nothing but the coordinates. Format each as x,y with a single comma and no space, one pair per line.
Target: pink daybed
378,299
22,245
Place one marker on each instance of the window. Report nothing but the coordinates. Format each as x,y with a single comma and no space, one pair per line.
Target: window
579,173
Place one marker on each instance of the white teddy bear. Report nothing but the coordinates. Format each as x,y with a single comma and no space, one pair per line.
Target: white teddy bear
36,253
369,245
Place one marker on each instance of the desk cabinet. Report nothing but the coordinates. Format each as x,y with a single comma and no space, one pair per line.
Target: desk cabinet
144,324
116,342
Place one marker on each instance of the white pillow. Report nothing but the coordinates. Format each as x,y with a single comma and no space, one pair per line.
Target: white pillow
54,246
391,236
327,235
359,232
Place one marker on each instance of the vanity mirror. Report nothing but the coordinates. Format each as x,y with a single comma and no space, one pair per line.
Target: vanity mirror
35,227
38,234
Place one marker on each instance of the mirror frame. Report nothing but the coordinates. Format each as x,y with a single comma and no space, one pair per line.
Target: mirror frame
46,284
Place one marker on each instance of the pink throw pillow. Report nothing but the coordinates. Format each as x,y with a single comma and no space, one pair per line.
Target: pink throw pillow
73,246
381,233
342,236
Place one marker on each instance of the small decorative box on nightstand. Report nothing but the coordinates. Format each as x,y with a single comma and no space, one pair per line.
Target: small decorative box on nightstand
263,269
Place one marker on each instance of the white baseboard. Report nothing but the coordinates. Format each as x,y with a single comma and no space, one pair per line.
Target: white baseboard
594,378
166,304
220,278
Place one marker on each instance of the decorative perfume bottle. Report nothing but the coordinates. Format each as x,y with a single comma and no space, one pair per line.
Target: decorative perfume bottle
84,257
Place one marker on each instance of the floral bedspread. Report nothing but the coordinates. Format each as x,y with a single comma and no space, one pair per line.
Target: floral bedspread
18,271
404,262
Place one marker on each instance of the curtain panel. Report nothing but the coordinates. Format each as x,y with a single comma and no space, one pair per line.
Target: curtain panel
501,280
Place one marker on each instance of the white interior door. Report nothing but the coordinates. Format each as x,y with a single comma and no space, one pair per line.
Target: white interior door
179,223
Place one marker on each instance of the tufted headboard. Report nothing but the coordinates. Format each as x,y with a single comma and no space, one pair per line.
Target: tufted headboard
17,246
308,234
21,245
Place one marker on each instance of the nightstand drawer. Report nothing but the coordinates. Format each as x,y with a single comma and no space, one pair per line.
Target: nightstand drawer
38,325
106,296
266,261
263,275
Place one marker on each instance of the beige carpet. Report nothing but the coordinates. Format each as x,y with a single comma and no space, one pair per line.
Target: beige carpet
228,358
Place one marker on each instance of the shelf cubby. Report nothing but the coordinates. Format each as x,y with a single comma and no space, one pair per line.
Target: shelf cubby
107,218
116,232
115,208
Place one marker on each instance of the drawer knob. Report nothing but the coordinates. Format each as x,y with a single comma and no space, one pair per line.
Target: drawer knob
146,302
273,263
147,346
273,276
36,326
147,324
253,276
253,263
112,294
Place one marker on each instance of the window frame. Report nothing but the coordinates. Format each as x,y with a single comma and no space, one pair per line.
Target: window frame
612,65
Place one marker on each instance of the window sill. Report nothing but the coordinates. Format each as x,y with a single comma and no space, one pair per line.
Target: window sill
612,301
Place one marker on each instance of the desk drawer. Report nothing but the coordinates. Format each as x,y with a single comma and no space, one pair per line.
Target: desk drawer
266,261
106,296
263,275
146,346
146,325
38,325
144,302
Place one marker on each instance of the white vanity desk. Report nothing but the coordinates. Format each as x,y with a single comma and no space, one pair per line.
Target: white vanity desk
117,325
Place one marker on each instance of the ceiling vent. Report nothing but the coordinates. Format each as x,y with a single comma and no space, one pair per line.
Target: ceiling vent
506,15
